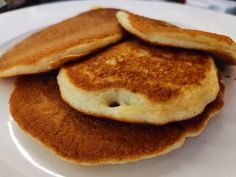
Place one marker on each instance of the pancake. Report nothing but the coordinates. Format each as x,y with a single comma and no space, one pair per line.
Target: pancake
139,83
38,109
65,41
163,33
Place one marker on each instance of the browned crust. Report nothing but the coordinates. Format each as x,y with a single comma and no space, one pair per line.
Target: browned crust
147,25
37,107
159,74
83,28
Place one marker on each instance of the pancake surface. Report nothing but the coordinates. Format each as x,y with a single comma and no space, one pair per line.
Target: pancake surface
135,82
37,107
163,33
65,41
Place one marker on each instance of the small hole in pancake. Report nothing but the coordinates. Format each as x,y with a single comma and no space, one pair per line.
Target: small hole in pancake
114,104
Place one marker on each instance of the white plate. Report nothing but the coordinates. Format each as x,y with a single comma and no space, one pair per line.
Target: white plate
212,154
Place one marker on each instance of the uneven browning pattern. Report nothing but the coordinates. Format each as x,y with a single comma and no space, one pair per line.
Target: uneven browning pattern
140,83
147,25
166,34
158,73
63,42
37,107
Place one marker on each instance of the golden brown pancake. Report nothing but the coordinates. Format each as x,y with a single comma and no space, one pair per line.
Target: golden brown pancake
140,83
163,33
65,41
37,107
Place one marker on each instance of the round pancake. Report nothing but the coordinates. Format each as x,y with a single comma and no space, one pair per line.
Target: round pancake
37,107
139,83
163,33
65,41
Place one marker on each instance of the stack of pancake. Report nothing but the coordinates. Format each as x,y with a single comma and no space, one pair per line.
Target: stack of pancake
109,86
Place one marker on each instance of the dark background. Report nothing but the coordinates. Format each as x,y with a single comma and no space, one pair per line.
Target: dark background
16,4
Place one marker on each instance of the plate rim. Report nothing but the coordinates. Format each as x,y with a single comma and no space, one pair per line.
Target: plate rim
28,9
